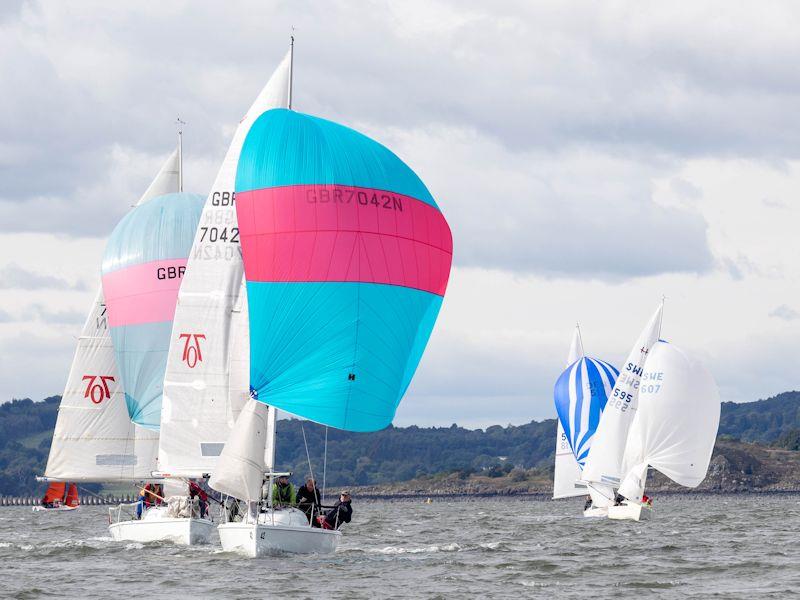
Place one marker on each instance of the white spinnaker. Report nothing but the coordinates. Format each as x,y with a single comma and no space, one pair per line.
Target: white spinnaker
604,464
240,469
207,378
676,424
567,471
94,438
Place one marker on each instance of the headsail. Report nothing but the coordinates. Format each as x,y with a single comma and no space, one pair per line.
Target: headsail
94,439
567,472
347,258
604,464
675,427
144,262
207,378
580,394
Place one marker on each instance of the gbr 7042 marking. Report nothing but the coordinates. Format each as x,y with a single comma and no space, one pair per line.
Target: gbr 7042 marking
349,196
219,234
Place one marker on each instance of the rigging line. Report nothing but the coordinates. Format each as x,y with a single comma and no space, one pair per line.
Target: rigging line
308,456
324,464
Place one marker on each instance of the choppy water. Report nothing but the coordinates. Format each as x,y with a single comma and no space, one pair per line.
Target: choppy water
696,547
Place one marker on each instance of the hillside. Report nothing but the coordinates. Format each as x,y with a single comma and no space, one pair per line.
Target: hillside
490,457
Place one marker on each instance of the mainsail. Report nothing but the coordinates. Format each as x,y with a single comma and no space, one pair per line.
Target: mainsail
675,427
144,262
567,472
207,378
94,438
604,464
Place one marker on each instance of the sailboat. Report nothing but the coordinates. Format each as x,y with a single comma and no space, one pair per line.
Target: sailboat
206,383
674,429
59,497
580,396
144,262
346,257
603,469
95,439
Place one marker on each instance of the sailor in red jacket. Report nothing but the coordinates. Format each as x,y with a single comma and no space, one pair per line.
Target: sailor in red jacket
196,490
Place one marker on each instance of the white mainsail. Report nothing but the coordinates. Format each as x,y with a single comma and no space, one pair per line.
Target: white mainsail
207,379
604,464
94,438
567,472
675,427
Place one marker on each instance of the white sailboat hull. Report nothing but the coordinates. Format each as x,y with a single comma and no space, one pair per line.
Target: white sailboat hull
285,531
55,509
630,512
156,526
594,512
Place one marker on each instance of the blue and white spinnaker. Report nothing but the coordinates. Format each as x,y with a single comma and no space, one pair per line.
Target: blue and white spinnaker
580,395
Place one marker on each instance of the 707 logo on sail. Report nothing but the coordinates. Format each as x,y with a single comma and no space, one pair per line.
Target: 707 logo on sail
192,353
97,391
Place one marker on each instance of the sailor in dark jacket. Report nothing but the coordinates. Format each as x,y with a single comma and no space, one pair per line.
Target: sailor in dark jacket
341,512
308,499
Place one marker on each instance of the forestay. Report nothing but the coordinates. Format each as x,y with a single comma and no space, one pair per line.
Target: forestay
676,424
94,438
347,258
207,378
604,464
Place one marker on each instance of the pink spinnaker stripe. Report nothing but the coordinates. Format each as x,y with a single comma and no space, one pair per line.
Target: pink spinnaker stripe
145,293
315,233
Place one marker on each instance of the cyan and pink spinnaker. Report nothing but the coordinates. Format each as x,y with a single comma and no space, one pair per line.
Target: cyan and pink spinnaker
347,258
142,269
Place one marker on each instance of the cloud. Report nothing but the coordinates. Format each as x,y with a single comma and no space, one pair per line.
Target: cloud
55,317
13,276
785,312
571,214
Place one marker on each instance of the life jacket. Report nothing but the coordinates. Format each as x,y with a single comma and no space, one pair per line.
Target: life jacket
284,493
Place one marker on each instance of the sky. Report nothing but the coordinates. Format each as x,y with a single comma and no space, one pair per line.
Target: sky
590,159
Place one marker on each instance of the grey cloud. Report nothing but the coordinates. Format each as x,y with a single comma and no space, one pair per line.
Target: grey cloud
13,276
785,313
55,317
531,77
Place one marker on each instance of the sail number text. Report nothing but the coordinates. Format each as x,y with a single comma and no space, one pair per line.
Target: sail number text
219,234
339,195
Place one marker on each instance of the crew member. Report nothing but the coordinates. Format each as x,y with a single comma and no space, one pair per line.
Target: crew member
283,493
341,512
308,499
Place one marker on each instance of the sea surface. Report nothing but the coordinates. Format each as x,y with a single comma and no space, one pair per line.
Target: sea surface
697,546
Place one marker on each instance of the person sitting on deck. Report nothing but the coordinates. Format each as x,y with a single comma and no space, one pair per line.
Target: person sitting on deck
342,512
283,493
588,504
308,499
647,500
144,500
196,491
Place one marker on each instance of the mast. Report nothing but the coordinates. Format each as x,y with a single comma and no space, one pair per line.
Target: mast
180,125
291,68
580,339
